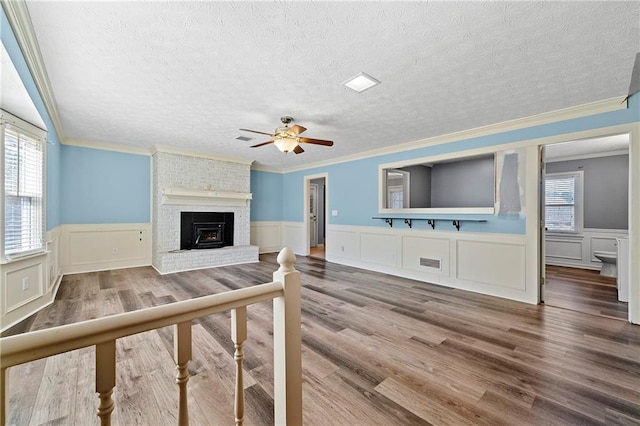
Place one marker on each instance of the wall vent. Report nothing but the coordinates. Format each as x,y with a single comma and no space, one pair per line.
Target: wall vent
430,263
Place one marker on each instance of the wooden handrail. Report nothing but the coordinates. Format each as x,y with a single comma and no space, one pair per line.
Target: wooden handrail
39,344
103,333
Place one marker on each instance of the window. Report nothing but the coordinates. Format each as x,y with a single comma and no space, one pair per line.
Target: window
563,202
23,164
397,189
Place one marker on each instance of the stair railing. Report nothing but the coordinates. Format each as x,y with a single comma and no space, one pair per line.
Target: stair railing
103,333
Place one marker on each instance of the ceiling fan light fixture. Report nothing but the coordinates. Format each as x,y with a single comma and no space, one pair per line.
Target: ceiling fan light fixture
361,82
285,144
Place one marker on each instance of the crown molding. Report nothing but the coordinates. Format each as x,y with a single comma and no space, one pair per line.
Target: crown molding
20,21
105,146
261,168
598,107
210,156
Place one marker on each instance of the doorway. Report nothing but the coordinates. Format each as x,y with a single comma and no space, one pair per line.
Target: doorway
584,207
316,215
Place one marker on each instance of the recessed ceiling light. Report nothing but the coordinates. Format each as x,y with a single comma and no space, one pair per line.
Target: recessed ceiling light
244,138
361,82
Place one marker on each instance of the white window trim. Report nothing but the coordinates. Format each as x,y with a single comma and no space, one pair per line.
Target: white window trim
578,203
7,119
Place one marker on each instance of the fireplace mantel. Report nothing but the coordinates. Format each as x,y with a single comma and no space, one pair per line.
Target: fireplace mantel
204,197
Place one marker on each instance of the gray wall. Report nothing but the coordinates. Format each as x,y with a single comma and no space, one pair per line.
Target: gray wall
606,189
467,183
321,201
420,186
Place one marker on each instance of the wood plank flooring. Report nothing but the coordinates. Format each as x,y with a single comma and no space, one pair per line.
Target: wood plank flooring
583,290
377,350
317,252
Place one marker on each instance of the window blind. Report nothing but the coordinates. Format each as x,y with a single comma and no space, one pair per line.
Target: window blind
560,203
23,192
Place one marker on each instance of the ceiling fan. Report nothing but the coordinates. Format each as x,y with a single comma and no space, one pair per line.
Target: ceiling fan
288,139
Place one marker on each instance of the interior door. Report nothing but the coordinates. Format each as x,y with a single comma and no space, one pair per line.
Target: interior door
543,228
313,215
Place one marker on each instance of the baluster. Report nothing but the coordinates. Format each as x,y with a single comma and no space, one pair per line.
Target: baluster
105,379
287,344
239,335
182,356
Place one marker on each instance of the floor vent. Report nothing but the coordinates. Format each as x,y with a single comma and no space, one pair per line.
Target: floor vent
430,263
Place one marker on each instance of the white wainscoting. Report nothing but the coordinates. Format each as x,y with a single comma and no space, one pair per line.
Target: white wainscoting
271,237
30,283
416,248
267,236
100,247
576,250
493,264
294,236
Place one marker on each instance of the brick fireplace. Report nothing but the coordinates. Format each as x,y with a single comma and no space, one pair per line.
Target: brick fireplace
211,193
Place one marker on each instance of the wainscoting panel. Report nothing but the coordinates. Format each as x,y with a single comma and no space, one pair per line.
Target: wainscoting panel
577,250
294,237
267,236
378,248
88,248
343,244
491,263
564,249
30,283
24,282
422,254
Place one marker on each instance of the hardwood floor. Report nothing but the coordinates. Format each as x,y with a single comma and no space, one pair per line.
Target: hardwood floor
377,350
317,252
583,290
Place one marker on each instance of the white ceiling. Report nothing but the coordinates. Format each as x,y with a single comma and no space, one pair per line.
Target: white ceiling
190,74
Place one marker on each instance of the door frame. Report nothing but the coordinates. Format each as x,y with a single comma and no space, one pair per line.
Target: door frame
305,199
313,227
633,129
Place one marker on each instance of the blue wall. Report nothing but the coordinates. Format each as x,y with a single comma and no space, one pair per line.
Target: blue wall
266,204
353,186
53,189
105,186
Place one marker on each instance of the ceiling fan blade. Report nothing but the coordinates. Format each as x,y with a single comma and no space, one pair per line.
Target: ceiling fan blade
297,129
316,141
255,131
261,144
298,149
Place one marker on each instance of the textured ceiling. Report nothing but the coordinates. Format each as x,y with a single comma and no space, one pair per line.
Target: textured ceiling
190,74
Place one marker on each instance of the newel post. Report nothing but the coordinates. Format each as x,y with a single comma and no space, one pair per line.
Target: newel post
287,343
